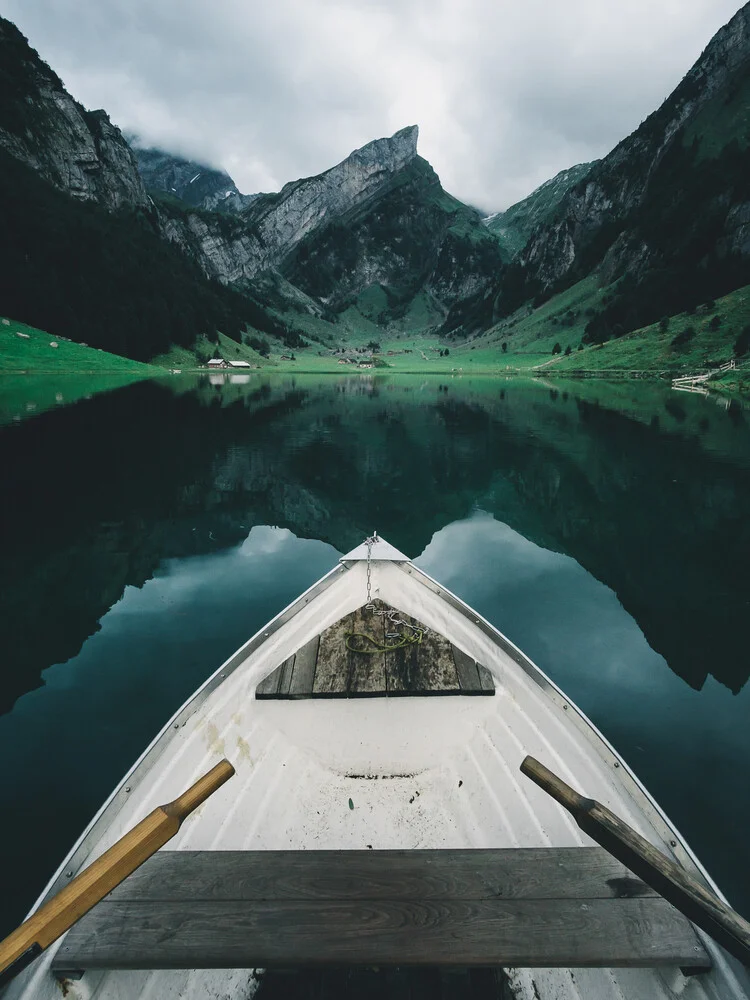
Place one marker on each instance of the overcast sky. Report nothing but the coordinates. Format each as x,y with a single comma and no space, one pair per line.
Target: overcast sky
505,92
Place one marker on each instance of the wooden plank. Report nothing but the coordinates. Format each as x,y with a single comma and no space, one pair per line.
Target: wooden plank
367,670
514,873
685,891
285,676
269,686
514,932
433,666
486,680
424,668
468,675
91,885
304,670
341,671
278,682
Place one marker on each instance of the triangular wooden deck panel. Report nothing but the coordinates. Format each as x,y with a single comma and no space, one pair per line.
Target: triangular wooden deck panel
326,668
563,907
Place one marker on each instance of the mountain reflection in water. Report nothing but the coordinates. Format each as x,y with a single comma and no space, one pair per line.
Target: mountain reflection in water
549,508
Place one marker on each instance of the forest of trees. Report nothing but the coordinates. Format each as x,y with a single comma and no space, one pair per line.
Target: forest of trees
109,281
682,221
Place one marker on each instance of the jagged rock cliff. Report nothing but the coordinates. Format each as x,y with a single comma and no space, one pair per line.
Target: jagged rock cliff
283,220
80,152
269,228
224,246
414,238
377,224
618,185
513,227
380,218
195,184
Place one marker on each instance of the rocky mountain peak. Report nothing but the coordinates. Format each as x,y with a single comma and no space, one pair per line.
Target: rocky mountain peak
80,152
391,153
282,221
376,231
619,184
270,227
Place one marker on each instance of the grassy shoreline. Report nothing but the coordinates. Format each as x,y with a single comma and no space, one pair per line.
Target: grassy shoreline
643,354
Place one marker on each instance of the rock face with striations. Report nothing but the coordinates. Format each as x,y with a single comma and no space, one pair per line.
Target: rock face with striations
619,184
514,226
412,238
80,152
376,231
272,225
285,219
378,220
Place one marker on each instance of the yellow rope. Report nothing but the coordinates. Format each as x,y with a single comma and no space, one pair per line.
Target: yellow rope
379,647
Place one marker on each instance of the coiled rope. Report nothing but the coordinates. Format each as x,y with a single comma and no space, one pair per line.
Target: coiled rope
402,638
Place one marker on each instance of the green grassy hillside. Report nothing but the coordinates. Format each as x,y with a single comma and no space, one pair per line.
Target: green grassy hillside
688,342
25,349
39,372
184,358
531,335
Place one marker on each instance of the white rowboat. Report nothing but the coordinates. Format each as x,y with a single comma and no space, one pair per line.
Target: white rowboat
341,746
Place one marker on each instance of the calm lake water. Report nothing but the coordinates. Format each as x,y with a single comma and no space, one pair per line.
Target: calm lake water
146,533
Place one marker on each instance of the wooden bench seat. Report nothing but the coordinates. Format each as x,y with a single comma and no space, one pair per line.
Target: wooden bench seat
563,907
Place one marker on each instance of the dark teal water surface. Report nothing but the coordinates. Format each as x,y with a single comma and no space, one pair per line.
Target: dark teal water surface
148,532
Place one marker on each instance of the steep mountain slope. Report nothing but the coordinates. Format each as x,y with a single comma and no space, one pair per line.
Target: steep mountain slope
379,220
237,248
88,259
514,226
80,152
414,239
106,280
620,182
195,184
666,214
375,232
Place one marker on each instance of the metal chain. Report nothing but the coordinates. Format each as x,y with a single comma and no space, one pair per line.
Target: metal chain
394,640
392,618
402,639
369,542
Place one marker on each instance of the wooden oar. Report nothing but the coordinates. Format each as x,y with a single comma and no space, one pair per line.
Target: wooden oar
671,881
86,889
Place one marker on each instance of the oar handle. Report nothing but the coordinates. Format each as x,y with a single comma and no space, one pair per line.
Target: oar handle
556,787
197,794
697,902
58,914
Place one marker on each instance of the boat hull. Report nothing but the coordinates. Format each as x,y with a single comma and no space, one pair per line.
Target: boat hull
381,774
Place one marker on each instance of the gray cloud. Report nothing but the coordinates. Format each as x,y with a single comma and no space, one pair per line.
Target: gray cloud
506,92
